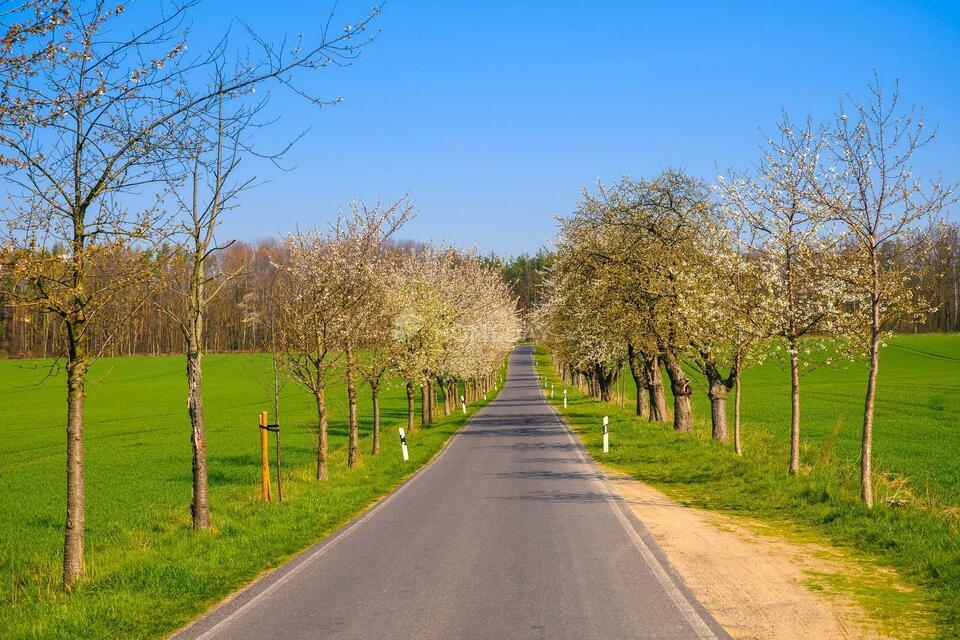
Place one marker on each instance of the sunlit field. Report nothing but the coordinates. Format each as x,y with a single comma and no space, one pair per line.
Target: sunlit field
916,527
148,572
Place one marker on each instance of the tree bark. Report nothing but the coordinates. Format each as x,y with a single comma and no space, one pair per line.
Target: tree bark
424,405
199,506
866,445
604,382
320,394
73,539
375,398
445,393
353,449
794,466
640,381
658,401
76,326
717,389
737,448
411,422
680,385
718,410
431,401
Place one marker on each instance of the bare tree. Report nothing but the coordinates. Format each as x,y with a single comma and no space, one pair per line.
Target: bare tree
204,187
870,189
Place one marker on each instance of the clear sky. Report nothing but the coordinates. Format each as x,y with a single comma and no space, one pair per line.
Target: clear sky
493,114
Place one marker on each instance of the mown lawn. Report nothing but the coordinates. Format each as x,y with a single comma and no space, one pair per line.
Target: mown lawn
917,460
148,572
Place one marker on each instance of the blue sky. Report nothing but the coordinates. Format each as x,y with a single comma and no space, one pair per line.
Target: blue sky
493,114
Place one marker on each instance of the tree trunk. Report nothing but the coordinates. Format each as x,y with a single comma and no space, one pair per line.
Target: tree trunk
718,410
73,539
445,392
737,448
411,422
424,406
794,466
642,401
431,401
717,389
320,393
640,381
866,445
375,397
658,400
199,506
680,385
353,449
604,382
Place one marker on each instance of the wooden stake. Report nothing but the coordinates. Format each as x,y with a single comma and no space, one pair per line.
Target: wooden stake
264,456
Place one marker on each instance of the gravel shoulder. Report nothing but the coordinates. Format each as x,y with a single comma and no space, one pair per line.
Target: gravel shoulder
758,584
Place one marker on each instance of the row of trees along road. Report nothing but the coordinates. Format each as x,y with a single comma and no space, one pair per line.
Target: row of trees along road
816,254
436,317
122,153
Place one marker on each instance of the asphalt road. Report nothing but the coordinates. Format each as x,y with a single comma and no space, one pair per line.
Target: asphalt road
509,533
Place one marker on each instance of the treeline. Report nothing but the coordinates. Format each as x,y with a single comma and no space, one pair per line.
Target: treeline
137,323
526,275
828,246
936,276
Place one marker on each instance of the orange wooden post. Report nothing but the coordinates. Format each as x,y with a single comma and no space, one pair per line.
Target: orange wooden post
265,466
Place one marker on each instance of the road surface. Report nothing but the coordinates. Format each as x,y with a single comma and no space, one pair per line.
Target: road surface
509,533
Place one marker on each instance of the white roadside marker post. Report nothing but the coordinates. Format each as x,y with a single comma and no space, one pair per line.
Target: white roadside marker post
551,391
463,404
564,398
606,434
403,445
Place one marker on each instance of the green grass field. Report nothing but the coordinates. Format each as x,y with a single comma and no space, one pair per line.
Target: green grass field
917,460
149,573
